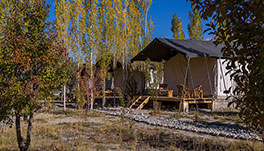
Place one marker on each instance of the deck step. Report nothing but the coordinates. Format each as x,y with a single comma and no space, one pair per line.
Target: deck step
140,102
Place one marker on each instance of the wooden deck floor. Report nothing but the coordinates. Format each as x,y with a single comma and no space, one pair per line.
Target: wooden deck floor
108,97
178,99
184,102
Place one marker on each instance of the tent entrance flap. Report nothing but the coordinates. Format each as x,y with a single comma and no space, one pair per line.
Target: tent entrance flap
176,72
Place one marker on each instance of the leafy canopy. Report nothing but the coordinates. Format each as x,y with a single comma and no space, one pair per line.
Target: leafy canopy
240,26
30,57
195,27
177,28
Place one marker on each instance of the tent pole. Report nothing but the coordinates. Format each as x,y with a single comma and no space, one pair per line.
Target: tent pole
222,73
192,84
186,73
184,83
208,74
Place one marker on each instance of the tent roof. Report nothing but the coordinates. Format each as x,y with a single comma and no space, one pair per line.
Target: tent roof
163,49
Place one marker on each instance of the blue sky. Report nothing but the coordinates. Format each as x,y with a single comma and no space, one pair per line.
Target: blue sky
161,12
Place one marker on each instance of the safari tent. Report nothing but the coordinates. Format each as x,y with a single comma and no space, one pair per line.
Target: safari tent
116,79
138,76
190,63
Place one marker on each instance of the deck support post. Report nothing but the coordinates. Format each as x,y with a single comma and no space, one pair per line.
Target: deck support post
209,106
159,106
185,106
212,105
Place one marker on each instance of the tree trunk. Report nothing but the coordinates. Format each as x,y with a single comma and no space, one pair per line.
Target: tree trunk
23,145
113,82
87,97
92,86
123,72
155,102
78,96
263,135
64,97
125,79
103,103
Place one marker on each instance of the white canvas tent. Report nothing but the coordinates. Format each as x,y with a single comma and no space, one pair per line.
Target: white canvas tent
204,59
204,71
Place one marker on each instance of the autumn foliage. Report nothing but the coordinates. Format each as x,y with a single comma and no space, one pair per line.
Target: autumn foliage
31,59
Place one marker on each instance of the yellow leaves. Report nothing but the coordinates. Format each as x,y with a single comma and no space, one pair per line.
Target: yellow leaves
195,27
104,27
177,28
126,3
181,34
150,2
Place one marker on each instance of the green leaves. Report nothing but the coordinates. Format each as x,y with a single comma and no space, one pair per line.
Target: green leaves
195,28
29,56
177,28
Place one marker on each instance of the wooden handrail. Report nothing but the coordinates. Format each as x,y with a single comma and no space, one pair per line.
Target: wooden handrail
135,102
143,103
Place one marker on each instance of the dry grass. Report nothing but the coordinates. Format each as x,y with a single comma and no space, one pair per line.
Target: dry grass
96,131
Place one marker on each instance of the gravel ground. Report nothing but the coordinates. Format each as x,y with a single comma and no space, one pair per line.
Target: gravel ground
223,130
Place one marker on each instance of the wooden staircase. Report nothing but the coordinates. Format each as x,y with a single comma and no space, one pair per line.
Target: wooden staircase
139,103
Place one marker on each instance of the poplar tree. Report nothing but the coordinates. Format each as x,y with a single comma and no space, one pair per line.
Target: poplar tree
106,30
195,28
177,28
105,23
93,39
63,21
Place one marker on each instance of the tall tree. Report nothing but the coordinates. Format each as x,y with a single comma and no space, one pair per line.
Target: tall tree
195,28
176,28
78,37
115,29
71,21
30,59
105,21
62,8
239,26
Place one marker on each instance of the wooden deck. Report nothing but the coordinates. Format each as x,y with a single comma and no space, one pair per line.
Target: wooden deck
108,97
184,102
178,99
